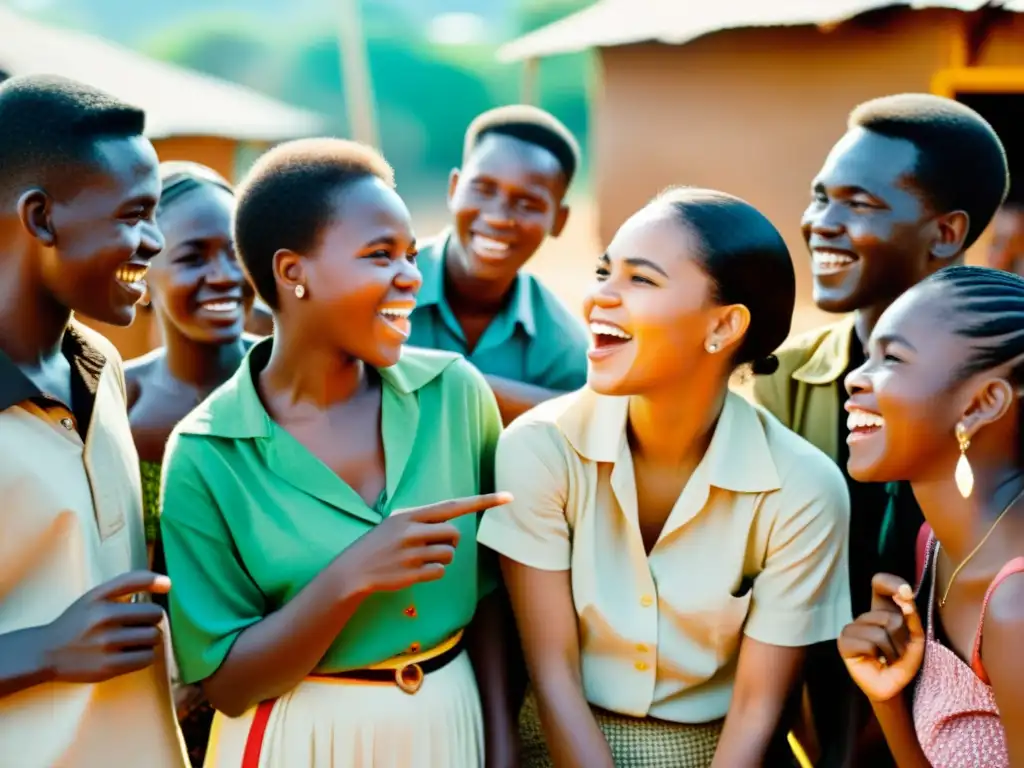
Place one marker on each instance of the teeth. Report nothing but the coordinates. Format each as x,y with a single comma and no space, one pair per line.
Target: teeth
604,329
396,312
230,305
827,260
482,243
131,273
863,420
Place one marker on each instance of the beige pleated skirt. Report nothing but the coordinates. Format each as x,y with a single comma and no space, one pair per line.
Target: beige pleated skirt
336,723
634,742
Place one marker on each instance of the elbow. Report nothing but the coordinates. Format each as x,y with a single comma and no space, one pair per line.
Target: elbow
230,703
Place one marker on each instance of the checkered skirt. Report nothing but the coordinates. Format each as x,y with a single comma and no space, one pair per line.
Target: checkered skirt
634,742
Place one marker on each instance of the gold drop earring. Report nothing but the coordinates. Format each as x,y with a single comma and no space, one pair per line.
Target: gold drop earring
964,475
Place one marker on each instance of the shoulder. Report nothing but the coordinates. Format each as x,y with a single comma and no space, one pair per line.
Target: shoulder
1006,605
806,474
541,427
98,342
799,349
137,369
1003,628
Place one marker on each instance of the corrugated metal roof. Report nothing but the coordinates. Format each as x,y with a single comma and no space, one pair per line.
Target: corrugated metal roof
609,23
178,102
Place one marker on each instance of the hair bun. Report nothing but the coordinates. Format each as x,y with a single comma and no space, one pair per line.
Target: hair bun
765,366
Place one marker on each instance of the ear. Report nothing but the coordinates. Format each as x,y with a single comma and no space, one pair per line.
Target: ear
561,217
951,235
727,328
289,271
989,404
35,211
453,182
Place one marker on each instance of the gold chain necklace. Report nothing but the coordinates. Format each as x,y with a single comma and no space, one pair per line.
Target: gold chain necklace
956,571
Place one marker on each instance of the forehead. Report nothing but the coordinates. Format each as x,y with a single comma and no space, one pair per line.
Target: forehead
862,158
657,234
201,212
123,169
512,160
366,210
916,315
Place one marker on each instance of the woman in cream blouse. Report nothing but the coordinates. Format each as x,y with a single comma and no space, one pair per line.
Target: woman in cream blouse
672,550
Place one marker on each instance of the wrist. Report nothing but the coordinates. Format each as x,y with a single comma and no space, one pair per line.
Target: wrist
42,657
348,586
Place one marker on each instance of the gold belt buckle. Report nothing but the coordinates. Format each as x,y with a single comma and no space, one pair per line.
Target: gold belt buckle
409,678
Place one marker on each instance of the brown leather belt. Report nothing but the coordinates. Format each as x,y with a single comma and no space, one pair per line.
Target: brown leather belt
408,678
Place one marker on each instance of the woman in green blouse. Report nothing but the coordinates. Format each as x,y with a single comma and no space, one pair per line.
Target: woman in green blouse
200,297
319,511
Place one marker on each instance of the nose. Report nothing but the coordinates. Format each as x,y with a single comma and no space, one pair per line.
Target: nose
858,381
225,271
151,240
603,295
408,277
497,212
825,222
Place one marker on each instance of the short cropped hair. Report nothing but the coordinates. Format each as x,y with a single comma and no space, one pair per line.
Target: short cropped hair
287,199
179,177
531,125
49,127
961,163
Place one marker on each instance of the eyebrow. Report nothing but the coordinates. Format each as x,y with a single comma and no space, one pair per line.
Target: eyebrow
389,241
895,339
636,261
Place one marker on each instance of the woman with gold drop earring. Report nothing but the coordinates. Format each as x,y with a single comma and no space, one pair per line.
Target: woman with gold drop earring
943,380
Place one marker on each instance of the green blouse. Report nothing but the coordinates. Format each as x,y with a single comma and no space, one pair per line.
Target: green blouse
249,516
151,499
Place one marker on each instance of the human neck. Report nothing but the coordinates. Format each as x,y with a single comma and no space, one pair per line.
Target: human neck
958,523
201,365
32,324
675,428
319,376
468,292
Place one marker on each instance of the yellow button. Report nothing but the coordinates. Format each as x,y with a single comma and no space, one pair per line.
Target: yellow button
641,648
646,601
641,666
414,648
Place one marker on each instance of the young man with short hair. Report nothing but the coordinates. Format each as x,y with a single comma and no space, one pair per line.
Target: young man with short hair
506,200
83,667
908,188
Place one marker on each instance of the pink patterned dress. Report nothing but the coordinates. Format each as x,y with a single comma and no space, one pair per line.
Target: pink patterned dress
955,713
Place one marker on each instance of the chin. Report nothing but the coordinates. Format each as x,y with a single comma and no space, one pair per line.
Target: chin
612,386
119,316
384,358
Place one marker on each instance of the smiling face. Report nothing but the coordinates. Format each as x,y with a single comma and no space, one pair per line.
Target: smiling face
650,310
505,201
361,279
196,283
868,228
105,236
906,400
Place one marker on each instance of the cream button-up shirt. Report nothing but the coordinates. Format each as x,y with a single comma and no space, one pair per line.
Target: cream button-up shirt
755,545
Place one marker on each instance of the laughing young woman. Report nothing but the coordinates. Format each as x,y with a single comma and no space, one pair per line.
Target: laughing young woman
318,511
200,296
938,403
671,550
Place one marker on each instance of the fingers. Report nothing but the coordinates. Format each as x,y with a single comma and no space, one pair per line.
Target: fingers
851,646
133,615
894,625
911,618
885,587
442,554
437,533
865,635
128,584
136,638
132,661
443,511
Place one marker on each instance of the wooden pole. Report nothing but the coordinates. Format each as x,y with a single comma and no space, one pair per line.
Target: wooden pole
528,87
355,74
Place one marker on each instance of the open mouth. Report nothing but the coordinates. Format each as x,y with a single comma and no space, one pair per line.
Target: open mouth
397,319
131,274
607,339
222,307
862,424
829,262
488,249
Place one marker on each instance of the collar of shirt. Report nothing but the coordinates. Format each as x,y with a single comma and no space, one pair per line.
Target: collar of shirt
831,358
87,362
235,411
738,458
517,311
